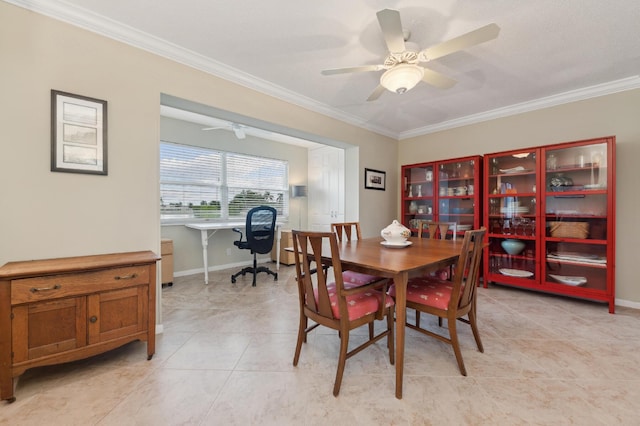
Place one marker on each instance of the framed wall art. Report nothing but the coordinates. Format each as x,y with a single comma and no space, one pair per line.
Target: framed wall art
78,134
375,179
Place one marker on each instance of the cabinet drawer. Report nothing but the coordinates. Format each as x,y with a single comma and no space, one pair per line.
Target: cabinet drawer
64,285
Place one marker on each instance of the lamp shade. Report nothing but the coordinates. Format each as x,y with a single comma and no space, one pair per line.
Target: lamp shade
402,77
298,191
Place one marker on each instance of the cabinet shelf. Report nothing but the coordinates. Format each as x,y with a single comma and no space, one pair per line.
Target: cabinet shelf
513,236
555,216
526,173
575,240
513,194
581,264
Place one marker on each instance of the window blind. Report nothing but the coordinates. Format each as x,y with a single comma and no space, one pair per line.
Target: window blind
201,183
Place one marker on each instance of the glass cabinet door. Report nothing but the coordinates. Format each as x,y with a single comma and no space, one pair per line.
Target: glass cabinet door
576,216
457,193
512,219
418,194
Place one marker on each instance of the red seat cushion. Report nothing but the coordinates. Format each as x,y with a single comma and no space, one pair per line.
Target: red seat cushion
358,305
351,278
427,291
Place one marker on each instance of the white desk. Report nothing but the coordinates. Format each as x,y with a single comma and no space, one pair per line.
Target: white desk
207,230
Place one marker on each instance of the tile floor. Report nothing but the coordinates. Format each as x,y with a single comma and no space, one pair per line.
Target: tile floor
225,359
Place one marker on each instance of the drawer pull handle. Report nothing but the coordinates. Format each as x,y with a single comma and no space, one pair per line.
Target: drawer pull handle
37,289
93,319
126,277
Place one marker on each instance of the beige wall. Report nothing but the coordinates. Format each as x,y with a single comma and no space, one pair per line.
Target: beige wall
616,114
46,214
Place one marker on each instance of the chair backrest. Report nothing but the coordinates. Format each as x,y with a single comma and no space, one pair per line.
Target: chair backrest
260,228
437,230
347,229
467,273
314,296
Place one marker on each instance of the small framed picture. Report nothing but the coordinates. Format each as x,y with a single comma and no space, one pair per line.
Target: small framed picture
375,179
78,134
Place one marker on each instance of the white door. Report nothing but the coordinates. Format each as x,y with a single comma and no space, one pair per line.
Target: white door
325,195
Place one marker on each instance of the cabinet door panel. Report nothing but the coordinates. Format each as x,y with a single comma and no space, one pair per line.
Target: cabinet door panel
443,191
47,328
117,313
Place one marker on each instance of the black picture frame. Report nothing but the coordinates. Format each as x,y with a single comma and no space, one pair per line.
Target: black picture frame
78,134
375,179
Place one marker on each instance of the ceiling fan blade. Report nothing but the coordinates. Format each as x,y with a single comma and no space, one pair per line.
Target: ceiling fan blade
392,30
486,33
212,128
376,93
239,131
438,80
363,68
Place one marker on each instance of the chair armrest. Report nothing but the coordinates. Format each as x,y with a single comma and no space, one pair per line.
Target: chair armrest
380,285
238,231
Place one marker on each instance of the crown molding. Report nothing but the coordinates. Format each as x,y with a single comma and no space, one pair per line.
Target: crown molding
629,83
107,27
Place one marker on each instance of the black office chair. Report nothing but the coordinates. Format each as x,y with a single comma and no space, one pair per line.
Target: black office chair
260,229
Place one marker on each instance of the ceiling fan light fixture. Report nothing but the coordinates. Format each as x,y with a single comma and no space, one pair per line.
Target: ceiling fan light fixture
402,77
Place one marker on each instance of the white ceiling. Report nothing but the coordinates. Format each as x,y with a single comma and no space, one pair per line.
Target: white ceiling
548,51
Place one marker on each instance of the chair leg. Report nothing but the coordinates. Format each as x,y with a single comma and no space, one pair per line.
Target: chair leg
344,345
417,318
453,335
243,272
302,337
390,339
268,271
474,329
371,331
255,270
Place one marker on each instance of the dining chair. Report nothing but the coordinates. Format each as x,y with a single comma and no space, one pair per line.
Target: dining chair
325,300
437,229
347,231
451,300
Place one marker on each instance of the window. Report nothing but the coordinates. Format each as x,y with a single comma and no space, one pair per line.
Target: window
201,183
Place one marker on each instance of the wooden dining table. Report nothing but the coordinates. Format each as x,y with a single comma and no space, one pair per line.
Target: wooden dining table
422,256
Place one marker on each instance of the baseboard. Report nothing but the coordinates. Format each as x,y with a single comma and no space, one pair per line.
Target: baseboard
188,272
627,304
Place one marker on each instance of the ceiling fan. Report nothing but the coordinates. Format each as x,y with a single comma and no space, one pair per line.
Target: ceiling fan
401,65
238,129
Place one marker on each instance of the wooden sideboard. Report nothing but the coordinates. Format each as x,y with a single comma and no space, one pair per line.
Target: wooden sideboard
59,310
